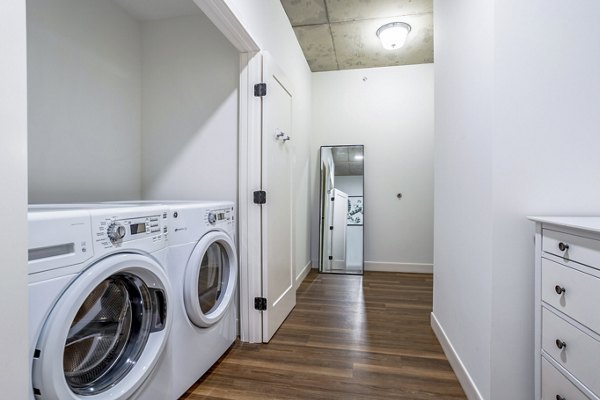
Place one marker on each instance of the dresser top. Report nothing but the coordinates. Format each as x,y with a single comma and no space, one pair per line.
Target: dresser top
591,224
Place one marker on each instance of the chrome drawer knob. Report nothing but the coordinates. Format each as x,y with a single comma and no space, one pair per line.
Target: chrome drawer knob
560,344
559,290
563,246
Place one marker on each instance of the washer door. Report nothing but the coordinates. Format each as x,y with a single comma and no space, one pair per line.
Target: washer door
106,333
210,279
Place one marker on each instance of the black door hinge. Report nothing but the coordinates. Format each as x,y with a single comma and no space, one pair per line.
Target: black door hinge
333,199
260,90
331,257
260,197
331,228
260,303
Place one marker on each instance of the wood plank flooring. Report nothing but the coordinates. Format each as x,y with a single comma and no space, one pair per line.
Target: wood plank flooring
349,337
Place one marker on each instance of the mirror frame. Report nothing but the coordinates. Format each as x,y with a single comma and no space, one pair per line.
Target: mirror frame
320,262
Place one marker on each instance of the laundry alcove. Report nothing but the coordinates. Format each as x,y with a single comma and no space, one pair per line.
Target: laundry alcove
129,99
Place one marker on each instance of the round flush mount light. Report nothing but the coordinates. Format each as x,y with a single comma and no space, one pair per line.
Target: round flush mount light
393,35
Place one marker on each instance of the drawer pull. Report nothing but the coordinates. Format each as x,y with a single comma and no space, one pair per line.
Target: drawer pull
559,290
560,344
563,246
559,397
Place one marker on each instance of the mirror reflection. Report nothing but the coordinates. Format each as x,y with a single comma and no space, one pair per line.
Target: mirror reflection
342,209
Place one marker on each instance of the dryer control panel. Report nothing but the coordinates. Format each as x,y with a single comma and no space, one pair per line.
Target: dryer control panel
222,217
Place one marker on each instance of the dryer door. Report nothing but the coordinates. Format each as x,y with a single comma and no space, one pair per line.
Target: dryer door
106,333
210,279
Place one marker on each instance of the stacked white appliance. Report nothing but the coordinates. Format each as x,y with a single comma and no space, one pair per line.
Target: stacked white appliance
203,271
101,306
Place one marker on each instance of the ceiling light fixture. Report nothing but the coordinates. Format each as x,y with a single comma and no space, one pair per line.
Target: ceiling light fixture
393,35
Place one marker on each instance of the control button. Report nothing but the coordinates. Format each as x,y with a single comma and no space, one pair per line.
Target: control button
116,232
165,229
212,218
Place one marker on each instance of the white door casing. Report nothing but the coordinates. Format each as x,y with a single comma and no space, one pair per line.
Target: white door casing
277,213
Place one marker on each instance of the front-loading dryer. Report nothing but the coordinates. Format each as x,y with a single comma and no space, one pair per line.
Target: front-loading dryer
204,271
101,306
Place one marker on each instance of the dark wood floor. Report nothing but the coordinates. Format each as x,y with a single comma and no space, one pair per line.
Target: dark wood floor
349,337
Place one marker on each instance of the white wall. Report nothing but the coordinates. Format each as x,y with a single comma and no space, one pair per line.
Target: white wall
14,377
190,110
518,104
463,175
84,101
546,141
391,113
351,185
268,24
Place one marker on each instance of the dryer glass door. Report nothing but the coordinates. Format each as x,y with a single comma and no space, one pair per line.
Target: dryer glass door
211,276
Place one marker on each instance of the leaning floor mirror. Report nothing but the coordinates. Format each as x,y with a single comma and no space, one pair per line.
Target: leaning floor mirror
341,209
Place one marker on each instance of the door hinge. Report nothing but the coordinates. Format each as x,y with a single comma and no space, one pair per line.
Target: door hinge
331,257
333,199
260,197
260,90
260,303
331,228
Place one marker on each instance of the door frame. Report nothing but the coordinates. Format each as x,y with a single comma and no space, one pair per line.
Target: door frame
249,232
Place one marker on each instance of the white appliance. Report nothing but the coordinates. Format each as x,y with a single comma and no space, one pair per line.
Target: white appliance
203,271
101,306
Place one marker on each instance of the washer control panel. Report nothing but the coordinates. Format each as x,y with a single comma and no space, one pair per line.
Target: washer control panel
111,231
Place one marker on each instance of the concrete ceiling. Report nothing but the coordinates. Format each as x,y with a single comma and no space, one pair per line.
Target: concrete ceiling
340,34
348,160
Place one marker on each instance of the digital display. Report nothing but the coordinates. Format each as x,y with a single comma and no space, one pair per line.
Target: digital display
137,228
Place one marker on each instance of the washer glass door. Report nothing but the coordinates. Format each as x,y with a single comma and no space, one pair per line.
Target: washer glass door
106,332
211,276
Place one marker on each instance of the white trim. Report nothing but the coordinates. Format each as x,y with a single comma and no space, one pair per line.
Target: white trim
225,19
465,379
398,267
302,274
249,180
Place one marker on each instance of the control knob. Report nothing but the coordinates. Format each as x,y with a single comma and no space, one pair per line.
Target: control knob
116,232
212,218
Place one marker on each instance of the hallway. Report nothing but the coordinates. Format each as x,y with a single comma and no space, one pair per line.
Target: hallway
349,337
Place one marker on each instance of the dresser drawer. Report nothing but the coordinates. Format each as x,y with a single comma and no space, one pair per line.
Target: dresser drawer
556,386
571,248
581,296
576,351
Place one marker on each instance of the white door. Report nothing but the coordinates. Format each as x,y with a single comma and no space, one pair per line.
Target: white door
277,151
340,219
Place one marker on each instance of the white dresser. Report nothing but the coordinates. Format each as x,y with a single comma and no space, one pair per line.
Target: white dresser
567,308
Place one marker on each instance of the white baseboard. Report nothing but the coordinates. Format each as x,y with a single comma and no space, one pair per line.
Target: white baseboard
457,365
398,267
300,277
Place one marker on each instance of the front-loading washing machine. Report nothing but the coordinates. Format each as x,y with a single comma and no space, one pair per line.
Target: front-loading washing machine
101,306
203,270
